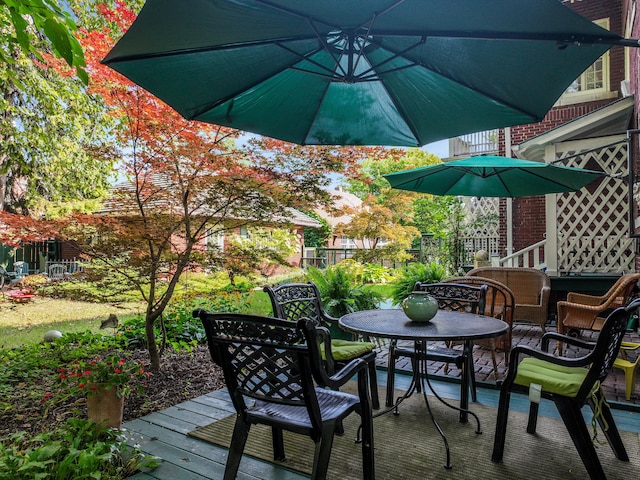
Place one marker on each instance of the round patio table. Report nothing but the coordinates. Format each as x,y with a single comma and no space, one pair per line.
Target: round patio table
445,326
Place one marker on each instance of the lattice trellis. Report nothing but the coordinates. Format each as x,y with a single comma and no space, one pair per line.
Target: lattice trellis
592,224
486,208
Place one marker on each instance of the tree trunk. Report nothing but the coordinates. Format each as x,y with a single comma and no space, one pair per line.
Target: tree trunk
154,355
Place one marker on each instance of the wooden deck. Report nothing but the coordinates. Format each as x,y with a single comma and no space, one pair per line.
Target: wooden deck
164,434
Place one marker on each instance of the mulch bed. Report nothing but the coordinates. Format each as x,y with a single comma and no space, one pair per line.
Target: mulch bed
182,376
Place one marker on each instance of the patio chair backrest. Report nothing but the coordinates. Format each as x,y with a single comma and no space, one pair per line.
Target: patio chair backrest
499,303
607,347
57,270
293,301
456,297
263,358
21,269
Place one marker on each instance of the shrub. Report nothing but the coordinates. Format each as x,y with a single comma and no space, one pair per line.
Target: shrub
178,327
415,272
339,292
375,273
76,450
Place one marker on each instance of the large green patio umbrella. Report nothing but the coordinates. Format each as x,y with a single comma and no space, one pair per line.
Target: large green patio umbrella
493,176
359,72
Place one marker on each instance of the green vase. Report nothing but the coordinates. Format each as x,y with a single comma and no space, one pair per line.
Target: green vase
420,306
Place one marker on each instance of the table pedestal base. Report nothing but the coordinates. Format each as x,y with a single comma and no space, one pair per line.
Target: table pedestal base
421,379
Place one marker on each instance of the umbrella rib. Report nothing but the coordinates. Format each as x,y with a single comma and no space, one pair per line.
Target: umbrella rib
331,73
563,39
366,74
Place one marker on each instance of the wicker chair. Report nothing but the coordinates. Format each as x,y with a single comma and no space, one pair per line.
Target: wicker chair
570,383
273,364
587,312
531,290
499,303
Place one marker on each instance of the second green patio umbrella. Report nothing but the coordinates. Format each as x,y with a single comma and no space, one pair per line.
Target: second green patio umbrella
493,176
359,72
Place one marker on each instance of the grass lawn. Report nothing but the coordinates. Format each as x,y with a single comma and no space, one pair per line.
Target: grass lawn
25,323
22,323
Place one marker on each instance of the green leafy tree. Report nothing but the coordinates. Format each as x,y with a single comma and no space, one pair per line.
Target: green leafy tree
262,250
50,129
37,26
370,180
317,237
381,234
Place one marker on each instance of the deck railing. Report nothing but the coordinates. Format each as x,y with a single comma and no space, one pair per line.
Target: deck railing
530,257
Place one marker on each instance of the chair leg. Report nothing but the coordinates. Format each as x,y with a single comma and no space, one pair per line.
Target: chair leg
368,462
373,382
464,391
391,374
605,419
323,452
278,444
501,424
494,361
532,424
238,441
574,421
471,370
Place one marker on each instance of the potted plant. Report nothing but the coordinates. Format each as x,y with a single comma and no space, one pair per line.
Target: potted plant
105,382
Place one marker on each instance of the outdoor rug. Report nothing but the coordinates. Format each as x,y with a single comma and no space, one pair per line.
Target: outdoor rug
407,446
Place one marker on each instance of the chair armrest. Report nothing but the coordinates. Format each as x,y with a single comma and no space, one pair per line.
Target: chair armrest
532,352
322,374
579,315
346,373
545,294
328,318
585,299
324,339
565,339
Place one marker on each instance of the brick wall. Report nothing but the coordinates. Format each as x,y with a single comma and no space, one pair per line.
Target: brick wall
529,212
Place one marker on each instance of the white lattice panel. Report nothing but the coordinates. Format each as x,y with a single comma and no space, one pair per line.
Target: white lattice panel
592,224
485,208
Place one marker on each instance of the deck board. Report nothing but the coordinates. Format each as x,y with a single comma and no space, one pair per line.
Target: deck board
164,434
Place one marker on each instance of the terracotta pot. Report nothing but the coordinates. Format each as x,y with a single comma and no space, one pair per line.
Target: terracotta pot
420,306
104,405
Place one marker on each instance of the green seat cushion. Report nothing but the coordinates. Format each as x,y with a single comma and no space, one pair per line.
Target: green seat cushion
553,378
348,350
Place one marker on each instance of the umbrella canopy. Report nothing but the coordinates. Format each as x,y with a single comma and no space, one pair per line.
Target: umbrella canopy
492,176
359,72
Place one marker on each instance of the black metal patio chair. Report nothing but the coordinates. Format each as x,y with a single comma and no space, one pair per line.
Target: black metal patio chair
292,301
276,377
571,383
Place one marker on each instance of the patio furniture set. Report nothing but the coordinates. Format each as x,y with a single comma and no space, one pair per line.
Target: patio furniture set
292,369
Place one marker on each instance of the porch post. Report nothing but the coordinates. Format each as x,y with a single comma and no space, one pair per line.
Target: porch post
550,216
509,201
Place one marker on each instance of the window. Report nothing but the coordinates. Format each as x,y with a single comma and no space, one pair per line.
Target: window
593,84
591,79
347,242
214,240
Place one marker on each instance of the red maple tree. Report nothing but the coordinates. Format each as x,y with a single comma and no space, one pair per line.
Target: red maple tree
181,181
